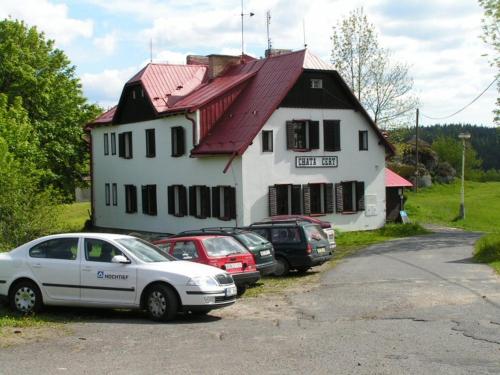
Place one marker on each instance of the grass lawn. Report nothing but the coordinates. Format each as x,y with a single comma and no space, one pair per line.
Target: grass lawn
72,217
439,204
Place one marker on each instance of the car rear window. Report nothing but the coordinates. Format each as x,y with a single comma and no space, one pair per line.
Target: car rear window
144,250
251,239
285,235
314,232
221,246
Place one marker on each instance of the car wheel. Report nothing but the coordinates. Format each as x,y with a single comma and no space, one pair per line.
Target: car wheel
161,303
241,289
302,270
25,298
282,267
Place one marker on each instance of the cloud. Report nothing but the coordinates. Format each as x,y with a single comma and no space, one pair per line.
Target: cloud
106,44
53,19
105,87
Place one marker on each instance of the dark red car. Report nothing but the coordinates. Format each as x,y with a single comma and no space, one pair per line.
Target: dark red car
219,251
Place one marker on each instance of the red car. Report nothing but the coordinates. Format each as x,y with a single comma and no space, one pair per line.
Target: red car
325,225
219,251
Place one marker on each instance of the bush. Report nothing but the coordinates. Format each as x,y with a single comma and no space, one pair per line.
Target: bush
487,249
484,176
402,230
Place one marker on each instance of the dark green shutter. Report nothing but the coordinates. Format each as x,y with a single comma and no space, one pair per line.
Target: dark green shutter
153,207
329,198
296,206
171,200
290,139
232,202
313,135
306,191
192,200
205,201
181,141
121,145
183,205
331,135
339,198
144,190
273,202
360,196
216,201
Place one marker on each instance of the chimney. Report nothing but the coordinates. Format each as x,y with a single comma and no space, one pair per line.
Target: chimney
276,51
196,60
217,64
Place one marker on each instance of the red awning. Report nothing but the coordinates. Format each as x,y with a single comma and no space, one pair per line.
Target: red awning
392,179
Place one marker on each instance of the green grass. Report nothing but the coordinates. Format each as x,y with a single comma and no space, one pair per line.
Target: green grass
440,204
347,243
72,217
487,250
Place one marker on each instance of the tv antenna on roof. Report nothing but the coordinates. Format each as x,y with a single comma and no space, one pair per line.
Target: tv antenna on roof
304,31
242,15
268,22
151,50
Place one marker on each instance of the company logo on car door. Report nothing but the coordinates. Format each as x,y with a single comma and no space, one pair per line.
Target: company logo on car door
111,276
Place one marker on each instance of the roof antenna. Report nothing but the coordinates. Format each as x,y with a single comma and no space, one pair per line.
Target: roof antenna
242,15
268,22
304,31
151,50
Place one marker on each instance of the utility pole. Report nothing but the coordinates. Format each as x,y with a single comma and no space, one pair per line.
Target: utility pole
268,22
242,39
461,214
416,152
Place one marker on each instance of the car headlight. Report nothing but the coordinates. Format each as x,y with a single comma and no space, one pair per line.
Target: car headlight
203,281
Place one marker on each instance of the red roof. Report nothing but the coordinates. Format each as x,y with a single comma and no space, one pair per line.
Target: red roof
392,179
174,88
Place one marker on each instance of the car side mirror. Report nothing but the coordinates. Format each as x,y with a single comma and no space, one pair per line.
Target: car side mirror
120,259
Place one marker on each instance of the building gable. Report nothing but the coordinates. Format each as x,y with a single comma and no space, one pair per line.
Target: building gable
134,106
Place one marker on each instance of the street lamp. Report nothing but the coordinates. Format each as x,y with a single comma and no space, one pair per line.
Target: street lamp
463,137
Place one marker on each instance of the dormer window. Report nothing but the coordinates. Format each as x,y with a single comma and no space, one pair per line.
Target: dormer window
316,83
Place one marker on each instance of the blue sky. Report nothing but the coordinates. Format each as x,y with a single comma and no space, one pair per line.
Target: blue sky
108,40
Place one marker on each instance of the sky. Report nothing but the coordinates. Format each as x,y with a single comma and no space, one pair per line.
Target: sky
109,40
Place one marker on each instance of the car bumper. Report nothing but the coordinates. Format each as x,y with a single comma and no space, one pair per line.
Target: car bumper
246,278
318,260
266,268
202,300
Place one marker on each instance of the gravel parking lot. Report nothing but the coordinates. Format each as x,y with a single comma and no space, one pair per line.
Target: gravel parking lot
416,306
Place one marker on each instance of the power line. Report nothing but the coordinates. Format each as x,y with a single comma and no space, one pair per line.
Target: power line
463,108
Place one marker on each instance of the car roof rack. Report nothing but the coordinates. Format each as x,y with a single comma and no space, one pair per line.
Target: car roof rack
208,231
281,222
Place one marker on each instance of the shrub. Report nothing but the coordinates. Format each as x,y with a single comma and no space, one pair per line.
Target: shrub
487,249
402,230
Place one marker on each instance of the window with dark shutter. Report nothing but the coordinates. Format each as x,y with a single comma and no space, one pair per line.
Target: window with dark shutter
216,201
106,144
177,200
113,143
360,196
329,199
320,198
199,201
178,141
150,143
296,208
363,140
125,145
130,199
331,135
302,135
285,199
107,194
267,141
149,205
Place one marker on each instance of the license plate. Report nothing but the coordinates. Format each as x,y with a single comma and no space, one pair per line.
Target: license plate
265,252
232,266
231,291
320,250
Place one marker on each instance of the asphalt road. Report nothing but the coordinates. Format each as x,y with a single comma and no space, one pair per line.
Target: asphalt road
412,306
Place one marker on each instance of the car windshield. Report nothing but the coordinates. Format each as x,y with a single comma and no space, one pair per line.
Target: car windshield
251,239
314,232
221,246
144,251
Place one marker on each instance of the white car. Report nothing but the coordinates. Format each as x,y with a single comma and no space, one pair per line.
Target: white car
111,271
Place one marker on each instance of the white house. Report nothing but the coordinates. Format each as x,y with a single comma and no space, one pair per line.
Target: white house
229,140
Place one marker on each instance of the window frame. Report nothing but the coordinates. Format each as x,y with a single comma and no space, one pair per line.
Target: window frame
113,143
354,189
125,143
310,134
150,143
267,141
177,200
199,201
106,144
316,83
130,199
331,136
114,194
363,140
149,200
107,194
178,141
224,202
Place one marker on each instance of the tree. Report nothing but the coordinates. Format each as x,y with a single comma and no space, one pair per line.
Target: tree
42,76
491,36
380,84
450,150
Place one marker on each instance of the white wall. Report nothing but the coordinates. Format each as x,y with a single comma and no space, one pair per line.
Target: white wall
162,171
262,169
